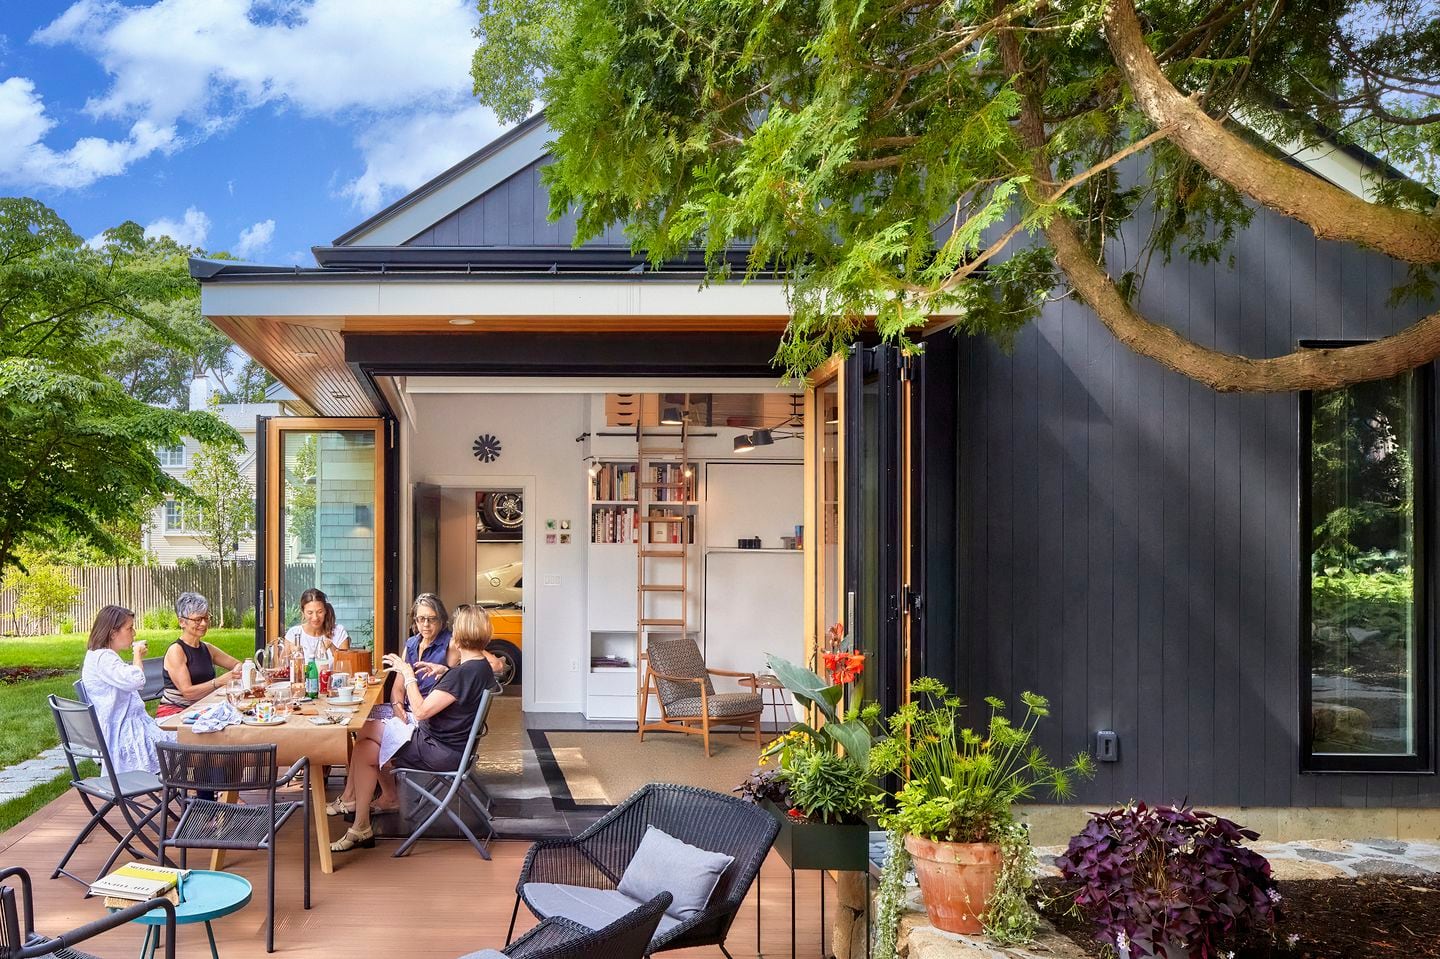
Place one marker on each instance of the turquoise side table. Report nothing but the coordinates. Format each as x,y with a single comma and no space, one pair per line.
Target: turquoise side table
207,895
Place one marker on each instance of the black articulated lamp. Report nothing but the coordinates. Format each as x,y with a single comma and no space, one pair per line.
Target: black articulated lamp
763,437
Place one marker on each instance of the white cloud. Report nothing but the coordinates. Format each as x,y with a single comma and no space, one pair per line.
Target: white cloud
254,240
27,161
202,59
197,66
400,156
193,229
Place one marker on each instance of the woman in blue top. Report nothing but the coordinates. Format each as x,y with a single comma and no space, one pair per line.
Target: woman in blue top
428,651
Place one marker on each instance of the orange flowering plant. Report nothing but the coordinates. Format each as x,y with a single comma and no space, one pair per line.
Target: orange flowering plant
826,766
841,665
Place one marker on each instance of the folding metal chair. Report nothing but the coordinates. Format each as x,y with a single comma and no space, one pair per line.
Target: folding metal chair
135,795
187,772
460,784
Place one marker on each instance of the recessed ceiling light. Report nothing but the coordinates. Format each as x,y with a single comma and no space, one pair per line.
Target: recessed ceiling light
462,321
340,396
306,354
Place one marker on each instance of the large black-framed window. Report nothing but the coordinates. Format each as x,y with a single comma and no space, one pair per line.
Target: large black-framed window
1365,589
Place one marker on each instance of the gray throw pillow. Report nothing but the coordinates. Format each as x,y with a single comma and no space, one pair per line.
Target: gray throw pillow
666,864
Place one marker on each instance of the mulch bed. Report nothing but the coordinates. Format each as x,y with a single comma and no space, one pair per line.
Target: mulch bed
9,675
1369,918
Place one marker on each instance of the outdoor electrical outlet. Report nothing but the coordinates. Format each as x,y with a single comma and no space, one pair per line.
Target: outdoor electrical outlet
1107,746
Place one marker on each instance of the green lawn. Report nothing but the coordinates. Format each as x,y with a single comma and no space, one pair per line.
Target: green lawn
29,728
67,652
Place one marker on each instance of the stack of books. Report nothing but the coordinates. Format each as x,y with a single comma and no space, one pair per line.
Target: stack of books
137,882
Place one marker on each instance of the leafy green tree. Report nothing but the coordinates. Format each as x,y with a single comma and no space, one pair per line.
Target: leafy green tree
226,501
77,459
42,592
898,160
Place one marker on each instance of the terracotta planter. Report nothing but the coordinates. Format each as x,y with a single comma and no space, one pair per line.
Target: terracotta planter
957,880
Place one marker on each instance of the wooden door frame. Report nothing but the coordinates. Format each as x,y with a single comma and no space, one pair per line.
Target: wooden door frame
822,377
274,531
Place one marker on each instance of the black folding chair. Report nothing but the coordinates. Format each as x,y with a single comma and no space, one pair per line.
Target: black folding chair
19,941
427,785
186,771
134,795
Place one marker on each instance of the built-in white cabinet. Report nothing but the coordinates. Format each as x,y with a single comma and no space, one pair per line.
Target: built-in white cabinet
743,603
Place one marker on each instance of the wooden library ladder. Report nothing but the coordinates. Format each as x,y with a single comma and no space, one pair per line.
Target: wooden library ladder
655,574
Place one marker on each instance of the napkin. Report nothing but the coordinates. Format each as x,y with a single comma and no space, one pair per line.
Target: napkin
215,718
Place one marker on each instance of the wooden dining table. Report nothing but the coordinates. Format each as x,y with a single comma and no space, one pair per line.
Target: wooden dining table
327,745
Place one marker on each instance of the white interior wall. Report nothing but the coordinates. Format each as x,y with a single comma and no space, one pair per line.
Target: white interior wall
539,453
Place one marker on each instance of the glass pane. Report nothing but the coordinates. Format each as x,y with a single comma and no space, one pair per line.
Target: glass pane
328,517
869,628
832,572
1362,570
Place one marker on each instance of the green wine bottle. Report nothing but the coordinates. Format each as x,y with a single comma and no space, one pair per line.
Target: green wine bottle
312,680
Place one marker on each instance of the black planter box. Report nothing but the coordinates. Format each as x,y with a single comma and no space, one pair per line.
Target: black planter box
842,847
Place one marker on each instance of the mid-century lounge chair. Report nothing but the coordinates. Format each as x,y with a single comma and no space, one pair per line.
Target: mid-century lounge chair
676,674
579,879
626,938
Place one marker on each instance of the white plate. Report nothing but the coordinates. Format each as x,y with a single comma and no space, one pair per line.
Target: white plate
320,720
352,701
257,722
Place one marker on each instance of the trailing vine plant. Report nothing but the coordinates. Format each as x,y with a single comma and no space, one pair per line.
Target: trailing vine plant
890,902
1011,919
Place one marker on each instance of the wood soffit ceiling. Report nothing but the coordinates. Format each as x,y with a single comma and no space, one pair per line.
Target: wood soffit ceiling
307,354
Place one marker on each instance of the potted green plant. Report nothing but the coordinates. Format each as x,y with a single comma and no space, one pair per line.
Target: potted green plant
955,806
824,770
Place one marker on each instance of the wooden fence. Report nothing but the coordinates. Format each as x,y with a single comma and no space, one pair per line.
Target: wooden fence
144,589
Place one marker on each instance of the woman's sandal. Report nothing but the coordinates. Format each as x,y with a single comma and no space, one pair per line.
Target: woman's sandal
339,807
378,810
352,838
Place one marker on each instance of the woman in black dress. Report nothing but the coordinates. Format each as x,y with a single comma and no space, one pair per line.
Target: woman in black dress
426,731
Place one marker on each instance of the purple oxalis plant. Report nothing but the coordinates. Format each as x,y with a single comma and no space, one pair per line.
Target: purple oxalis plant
1170,882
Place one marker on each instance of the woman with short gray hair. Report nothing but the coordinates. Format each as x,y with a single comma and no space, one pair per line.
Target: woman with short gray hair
190,664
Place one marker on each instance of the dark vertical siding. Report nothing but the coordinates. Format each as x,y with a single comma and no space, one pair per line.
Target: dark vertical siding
1129,539
515,212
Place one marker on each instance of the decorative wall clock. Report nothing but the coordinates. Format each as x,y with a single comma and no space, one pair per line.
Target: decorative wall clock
486,448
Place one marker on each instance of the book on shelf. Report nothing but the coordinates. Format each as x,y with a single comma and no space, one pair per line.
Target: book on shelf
613,524
138,881
615,481
673,485
612,662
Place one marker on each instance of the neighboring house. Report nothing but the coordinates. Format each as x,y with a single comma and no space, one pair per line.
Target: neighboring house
171,534
1065,516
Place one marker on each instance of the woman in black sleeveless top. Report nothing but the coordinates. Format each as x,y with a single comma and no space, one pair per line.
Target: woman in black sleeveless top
190,664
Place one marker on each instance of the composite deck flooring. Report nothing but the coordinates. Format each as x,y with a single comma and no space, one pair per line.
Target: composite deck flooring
440,901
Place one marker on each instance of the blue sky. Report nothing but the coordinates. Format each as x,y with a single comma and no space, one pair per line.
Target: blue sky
261,127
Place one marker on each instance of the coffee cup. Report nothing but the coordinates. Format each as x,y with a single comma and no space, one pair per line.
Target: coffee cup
339,684
265,711
360,679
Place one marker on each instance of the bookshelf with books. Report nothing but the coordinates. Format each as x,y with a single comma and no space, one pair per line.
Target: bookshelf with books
617,529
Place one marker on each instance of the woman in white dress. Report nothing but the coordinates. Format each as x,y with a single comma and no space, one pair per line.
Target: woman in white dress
317,635
114,689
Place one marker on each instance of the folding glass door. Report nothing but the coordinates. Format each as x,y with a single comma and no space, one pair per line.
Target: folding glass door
323,523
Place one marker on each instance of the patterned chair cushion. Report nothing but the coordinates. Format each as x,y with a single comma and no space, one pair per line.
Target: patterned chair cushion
721,705
678,657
